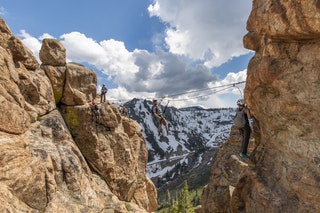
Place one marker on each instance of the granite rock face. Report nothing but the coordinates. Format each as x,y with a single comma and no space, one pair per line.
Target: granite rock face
225,174
52,53
282,91
55,156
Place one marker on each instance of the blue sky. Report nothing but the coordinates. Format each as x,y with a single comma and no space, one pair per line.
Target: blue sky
145,48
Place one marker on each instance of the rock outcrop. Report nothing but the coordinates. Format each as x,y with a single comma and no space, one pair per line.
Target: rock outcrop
54,156
227,170
282,91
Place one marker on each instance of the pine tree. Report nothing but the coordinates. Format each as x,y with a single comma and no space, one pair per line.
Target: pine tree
184,201
174,208
169,203
168,199
196,199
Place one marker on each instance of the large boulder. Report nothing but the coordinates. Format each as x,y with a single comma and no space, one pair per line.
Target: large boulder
22,54
53,57
57,76
52,52
37,90
80,85
111,145
285,20
225,174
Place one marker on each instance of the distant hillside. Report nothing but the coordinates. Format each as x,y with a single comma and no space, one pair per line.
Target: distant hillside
195,135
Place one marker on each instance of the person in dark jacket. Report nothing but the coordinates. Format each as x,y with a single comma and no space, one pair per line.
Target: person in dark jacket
246,130
104,90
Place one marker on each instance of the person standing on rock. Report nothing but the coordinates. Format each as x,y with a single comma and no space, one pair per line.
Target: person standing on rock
104,90
245,131
157,112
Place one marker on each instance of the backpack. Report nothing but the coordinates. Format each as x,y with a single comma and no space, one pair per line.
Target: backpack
95,107
157,110
239,120
104,90
154,110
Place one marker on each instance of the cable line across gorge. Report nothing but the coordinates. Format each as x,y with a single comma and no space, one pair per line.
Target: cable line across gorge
170,97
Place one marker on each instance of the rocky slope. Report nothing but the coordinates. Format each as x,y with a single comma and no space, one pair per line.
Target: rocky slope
54,157
282,90
189,150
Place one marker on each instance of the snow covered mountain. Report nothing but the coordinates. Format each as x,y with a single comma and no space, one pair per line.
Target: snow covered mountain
194,137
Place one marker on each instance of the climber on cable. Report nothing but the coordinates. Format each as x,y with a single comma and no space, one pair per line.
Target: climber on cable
158,113
95,111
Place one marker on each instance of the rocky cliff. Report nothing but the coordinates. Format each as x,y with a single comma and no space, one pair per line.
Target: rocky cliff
54,156
282,90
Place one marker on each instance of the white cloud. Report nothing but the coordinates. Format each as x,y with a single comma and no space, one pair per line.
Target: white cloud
146,75
209,30
221,93
81,48
161,73
34,44
109,56
177,41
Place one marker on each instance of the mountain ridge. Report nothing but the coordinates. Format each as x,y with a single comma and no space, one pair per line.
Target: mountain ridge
194,132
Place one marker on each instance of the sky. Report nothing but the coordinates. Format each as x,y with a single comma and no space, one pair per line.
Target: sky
186,52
